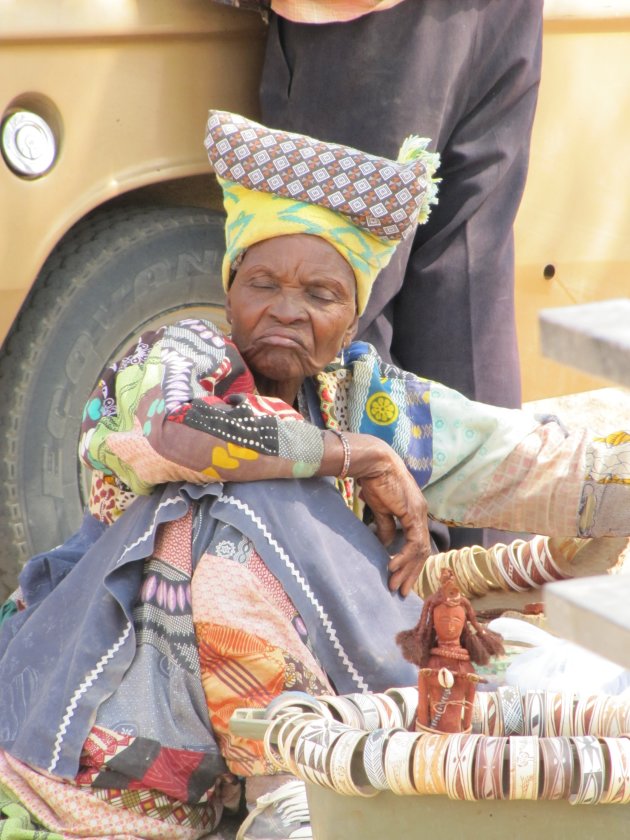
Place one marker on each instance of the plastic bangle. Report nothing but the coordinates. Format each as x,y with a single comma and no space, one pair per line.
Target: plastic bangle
270,740
557,763
590,760
406,699
312,749
390,713
398,766
488,769
524,754
374,758
343,709
368,710
460,761
436,759
614,725
564,704
618,787
340,764
426,778
535,713
511,706
583,714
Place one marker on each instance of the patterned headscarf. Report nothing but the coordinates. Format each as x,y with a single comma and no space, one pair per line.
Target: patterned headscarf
277,183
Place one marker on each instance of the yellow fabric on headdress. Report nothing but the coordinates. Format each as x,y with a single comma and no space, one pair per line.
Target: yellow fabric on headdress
254,216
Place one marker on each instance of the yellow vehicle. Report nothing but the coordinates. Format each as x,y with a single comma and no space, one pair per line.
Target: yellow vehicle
111,220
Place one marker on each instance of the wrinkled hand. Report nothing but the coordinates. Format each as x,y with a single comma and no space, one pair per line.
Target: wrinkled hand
394,494
391,493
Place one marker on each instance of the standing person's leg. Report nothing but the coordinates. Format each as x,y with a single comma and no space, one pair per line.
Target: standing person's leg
465,73
360,83
454,317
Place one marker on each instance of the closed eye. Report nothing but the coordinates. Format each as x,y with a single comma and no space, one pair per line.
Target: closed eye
323,295
263,283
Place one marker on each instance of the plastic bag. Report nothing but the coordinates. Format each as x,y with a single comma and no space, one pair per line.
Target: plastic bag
554,664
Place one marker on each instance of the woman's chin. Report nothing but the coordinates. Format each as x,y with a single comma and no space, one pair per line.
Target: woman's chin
278,365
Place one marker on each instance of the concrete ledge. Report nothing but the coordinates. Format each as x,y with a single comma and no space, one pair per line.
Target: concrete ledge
592,337
592,612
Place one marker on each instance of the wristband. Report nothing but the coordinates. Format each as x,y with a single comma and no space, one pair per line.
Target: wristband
535,713
369,710
406,698
429,764
459,765
390,712
511,707
398,762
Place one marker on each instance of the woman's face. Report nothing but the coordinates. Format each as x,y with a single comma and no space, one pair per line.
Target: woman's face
292,306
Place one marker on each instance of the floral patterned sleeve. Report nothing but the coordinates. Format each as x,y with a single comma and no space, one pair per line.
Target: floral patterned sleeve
181,406
493,467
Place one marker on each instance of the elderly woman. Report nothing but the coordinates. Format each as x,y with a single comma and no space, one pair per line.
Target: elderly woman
221,560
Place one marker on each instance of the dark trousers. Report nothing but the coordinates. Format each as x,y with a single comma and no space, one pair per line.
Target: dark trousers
464,73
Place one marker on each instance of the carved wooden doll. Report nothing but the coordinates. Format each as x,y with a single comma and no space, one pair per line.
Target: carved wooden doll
444,644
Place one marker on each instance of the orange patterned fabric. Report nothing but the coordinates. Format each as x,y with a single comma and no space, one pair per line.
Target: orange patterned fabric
226,593
250,647
238,670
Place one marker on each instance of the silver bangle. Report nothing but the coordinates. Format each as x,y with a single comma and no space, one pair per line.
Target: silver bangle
346,453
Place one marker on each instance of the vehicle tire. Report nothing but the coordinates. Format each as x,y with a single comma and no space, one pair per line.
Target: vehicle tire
117,273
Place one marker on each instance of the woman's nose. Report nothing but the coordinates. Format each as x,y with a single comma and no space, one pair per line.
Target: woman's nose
288,307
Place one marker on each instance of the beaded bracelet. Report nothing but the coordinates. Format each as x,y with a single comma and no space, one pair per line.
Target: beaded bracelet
346,453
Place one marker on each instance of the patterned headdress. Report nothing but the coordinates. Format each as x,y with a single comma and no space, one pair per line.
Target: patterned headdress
277,183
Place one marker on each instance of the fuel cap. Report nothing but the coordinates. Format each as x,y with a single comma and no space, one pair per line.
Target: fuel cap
28,143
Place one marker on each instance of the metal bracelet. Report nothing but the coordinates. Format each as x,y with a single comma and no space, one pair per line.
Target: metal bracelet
346,453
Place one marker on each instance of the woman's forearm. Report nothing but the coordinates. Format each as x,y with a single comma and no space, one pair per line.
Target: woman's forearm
368,456
392,494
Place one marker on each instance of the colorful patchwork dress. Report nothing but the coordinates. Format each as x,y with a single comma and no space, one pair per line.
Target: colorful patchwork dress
213,571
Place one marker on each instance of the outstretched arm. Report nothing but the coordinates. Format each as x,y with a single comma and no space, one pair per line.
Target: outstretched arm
487,466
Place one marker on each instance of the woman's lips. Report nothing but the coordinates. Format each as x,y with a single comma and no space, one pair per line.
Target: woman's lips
281,340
